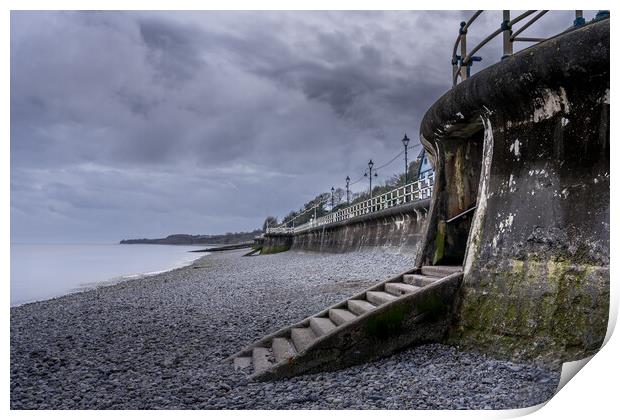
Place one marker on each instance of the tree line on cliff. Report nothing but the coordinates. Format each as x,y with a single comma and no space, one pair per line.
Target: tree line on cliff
183,239
307,213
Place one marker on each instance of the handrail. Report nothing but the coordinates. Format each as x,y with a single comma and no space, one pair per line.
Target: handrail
469,210
474,17
414,191
467,59
464,29
521,17
528,24
306,211
461,64
461,40
526,39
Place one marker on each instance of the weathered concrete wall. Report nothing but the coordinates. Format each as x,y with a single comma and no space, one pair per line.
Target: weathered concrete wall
274,243
536,281
457,166
397,229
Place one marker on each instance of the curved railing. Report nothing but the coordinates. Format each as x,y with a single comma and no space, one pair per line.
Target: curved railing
414,191
461,63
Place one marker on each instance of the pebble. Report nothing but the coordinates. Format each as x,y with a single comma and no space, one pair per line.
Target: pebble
160,341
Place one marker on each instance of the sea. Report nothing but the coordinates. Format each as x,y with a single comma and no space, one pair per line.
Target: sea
44,271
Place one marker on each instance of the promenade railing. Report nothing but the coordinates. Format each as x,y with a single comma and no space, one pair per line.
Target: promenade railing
461,63
414,191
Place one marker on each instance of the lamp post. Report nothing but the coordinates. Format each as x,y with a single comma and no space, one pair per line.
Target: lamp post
332,198
315,206
348,180
370,174
405,141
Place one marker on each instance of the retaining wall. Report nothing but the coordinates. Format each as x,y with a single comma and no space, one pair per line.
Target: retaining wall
536,260
397,229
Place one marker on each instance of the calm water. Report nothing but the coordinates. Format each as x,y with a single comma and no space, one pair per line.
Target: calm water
41,272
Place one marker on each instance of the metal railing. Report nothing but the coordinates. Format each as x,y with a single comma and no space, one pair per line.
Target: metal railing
414,191
461,63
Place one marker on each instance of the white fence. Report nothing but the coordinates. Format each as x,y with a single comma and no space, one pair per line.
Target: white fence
415,191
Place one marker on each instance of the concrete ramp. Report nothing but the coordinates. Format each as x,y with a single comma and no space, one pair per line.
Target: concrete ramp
412,308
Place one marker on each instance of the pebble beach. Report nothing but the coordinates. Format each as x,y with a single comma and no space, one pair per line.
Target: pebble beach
160,342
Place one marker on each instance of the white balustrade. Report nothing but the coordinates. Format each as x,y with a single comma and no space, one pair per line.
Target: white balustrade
415,191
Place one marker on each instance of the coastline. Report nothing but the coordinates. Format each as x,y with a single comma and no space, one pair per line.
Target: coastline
113,282
160,342
86,267
130,277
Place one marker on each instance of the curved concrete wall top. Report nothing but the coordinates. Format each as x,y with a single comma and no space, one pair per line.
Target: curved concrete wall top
527,142
510,87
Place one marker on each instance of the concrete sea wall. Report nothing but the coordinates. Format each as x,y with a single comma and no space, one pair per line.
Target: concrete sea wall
526,142
275,242
397,229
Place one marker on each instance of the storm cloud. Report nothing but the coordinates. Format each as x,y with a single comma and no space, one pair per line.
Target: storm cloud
142,124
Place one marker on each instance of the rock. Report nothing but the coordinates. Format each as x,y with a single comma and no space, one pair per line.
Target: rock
225,386
194,314
515,368
170,362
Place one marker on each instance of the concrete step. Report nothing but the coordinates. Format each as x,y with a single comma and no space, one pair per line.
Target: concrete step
379,298
440,270
359,307
419,280
340,316
334,335
242,362
283,349
260,359
321,326
398,289
302,338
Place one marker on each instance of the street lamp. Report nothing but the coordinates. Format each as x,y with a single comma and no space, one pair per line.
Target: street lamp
332,198
348,180
315,206
405,141
370,174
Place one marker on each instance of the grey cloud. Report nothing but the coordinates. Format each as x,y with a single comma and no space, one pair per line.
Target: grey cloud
172,49
148,123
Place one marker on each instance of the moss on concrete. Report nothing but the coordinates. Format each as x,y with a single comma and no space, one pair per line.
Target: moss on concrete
274,249
552,308
440,240
387,323
433,307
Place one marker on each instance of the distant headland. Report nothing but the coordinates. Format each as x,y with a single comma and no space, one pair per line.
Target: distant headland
184,239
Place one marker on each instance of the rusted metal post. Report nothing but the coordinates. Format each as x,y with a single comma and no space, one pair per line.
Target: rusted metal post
507,33
455,70
463,33
579,20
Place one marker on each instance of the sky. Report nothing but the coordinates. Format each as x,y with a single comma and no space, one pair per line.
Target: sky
145,124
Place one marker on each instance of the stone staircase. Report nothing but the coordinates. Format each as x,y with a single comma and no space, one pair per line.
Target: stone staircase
411,308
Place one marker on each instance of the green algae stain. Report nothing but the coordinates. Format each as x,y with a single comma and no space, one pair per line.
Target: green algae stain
387,323
274,249
440,239
433,307
549,309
